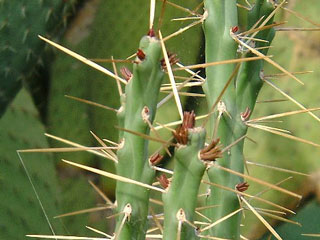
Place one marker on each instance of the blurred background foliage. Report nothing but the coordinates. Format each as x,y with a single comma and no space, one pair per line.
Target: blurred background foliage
100,29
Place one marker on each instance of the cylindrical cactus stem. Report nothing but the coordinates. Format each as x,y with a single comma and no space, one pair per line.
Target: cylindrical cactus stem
136,113
249,83
239,100
180,198
222,18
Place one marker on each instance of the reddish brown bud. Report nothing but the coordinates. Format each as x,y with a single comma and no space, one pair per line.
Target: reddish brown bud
141,55
151,33
246,114
212,151
155,159
241,187
181,133
163,180
126,73
235,29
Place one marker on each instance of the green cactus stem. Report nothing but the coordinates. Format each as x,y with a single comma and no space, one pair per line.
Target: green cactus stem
191,159
137,111
236,104
221,18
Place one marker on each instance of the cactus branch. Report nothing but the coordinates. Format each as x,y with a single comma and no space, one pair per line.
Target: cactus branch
138,105
181,193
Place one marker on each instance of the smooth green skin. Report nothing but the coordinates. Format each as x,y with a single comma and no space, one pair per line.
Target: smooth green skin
182,192
239,95
142,90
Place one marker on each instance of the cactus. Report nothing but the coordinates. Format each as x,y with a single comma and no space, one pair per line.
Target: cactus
191,160
97,38
138,108
288,51
20,212
234,77
21,54
237,101
17,200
